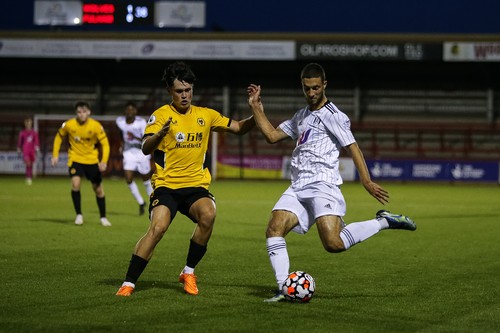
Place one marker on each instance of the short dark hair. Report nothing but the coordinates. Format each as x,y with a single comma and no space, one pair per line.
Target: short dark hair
131,103
79,104
313,70
178,70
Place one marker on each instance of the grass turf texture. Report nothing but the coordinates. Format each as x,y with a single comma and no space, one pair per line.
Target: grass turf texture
58,277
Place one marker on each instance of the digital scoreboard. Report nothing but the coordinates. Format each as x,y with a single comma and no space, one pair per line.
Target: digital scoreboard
118,12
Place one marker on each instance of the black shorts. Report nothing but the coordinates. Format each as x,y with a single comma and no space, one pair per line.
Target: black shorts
90,171
178,200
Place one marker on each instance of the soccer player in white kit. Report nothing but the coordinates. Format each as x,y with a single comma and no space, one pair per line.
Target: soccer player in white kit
314,196
132,129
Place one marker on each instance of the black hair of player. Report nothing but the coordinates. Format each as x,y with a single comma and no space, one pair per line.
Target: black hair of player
313,70
178,70
132,104
80,104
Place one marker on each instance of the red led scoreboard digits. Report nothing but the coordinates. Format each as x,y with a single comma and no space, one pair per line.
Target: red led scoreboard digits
98,13
121,12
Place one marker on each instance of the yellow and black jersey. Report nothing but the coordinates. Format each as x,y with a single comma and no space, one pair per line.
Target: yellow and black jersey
180,155
83,140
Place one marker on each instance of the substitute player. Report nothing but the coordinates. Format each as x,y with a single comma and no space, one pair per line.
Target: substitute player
28,145
84,134
314,196
177,135
134,160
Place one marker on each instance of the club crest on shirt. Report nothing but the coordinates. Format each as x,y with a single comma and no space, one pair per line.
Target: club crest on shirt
201,121
151,119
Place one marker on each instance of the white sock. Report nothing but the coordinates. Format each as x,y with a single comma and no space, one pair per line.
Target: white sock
276,249
149,188
128,284
383,223
135,192
188,270
357,232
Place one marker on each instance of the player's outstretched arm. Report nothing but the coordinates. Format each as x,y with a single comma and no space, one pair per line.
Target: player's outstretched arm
373,188
151,142
241,127
55,149
271,133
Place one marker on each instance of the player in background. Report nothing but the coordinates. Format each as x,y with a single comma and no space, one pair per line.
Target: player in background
314,196
132,130
177,135
84,135
28,145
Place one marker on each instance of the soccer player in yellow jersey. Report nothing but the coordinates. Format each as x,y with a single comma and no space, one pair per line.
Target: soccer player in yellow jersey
84,134
177,135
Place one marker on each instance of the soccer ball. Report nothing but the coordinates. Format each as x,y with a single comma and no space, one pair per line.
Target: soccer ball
299,287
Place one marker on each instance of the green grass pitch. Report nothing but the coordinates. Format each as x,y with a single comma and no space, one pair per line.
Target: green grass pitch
58,277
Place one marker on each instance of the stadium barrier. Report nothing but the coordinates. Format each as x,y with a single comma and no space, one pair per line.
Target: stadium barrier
448,151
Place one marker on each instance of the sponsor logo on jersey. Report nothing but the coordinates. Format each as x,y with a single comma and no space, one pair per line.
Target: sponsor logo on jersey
189,140
303,137
180,137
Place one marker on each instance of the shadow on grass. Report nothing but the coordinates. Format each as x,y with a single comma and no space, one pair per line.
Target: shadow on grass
53,220
264,291
120,213
94,216
144,285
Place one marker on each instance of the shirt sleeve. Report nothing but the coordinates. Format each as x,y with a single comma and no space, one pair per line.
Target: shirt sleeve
58,140
37,141
154,124
219,120
20,140
103,140
339,124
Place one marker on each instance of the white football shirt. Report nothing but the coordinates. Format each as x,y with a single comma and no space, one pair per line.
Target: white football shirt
319,134
131,133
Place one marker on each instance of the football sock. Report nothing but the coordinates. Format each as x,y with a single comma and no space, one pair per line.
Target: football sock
77,203
29,171
135,192
149,188
101,203
278,254
383,223
135,268
188,270
357,232
195,253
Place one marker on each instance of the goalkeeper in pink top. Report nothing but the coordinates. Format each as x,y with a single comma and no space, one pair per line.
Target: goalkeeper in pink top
28,145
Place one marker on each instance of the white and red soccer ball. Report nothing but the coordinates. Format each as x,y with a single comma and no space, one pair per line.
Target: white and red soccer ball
299,287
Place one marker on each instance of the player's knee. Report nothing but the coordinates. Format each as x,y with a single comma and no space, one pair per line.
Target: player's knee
157,231
204,215
334,245
275,230
206,222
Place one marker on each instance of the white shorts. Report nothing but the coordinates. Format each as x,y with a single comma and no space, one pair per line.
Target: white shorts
310,202
135,160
